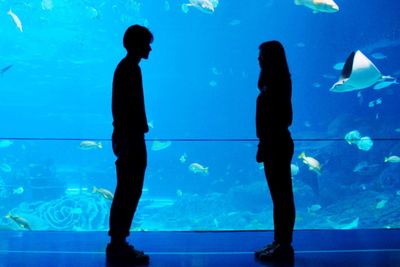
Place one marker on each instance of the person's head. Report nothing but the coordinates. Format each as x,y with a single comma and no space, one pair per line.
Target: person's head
273,62
137,40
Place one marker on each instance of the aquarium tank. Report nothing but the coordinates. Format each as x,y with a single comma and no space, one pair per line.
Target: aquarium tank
57,61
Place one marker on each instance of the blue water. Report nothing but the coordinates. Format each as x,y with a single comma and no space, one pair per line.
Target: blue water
200,91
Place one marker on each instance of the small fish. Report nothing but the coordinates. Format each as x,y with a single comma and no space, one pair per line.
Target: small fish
216,71
397,130
338,66
398,193
5,143
213,83
329,76
47,4
87,145
160,145
179,193
167,6
360,98
311,162
5,167
150,124
352,137
365,168
3,70
348,226
392,159
300,44
206,6
198,168
16,20
378,55
365,143
294,169
22,222
371,104
384,84
18,191
326,6
183,158
314,208
103,192
234,22
316,85
216,223
381,204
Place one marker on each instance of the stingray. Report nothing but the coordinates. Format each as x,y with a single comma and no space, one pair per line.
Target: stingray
358,73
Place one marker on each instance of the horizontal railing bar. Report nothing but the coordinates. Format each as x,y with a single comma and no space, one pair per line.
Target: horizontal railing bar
184,139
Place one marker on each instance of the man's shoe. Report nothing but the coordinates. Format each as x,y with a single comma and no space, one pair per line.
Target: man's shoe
125,253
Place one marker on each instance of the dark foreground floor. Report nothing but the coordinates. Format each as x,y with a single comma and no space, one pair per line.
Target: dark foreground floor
313,248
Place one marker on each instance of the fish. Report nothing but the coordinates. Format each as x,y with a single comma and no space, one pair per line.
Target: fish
352,137
392,159
311,162
384,84
87,145
381,204
300,44
22,222
179,193
5,143
16,20
316,84
18,191
378,55
365,143
294,169
160,145
5,167
6,68
47,4
151,124
106,194
206,6
325,6
314,208
183,158
198,168
346,226
213,83
167,6
234,22
338,66
358,73
365,168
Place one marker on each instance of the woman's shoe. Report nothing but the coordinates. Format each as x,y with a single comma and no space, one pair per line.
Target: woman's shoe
277,252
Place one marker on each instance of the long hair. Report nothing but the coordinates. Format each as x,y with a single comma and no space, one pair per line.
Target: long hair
274,67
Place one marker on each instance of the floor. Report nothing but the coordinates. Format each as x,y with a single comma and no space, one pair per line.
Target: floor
325,248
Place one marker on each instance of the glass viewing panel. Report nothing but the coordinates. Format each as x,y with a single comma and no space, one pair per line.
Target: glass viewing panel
57,60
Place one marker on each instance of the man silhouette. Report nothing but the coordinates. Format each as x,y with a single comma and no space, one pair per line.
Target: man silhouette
130,125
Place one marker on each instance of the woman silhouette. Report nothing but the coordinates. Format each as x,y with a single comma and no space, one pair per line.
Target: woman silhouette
275,148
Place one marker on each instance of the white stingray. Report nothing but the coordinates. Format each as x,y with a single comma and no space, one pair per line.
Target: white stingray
358,73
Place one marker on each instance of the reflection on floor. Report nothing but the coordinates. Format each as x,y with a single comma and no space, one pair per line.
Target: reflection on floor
313,248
